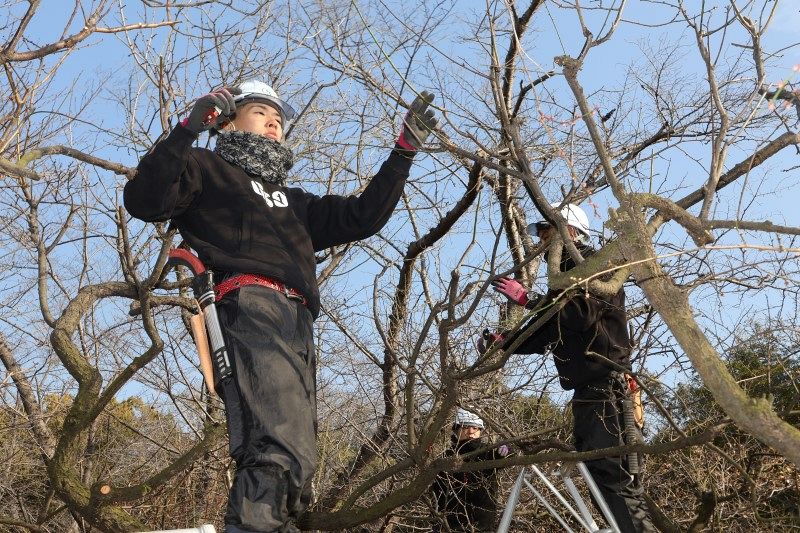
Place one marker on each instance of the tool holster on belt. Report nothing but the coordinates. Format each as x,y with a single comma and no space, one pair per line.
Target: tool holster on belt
203,349
636,396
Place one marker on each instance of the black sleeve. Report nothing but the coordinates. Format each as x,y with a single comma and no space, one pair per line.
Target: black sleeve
578,315
490,455
167,181
334,219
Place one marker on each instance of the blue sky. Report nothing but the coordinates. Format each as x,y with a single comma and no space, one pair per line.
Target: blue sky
604,68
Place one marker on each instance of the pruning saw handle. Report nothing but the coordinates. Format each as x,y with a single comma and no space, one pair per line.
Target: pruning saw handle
180,256
202,278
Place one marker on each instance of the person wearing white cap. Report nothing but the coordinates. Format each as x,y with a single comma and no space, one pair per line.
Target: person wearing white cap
587,326
258,236
578,228
467,501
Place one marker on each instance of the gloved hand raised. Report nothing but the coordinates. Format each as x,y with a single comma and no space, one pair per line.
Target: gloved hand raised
418,123
487,340
511,289
210,108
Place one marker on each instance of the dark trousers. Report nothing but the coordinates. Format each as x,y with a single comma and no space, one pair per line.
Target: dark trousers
271,410
597,409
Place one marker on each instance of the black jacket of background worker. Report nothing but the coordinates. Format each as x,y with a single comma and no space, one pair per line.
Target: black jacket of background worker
587,323
468,500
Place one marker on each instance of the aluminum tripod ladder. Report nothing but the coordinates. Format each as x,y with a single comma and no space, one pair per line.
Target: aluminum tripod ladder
582,514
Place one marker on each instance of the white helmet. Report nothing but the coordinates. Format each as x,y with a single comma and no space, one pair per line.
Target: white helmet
256,90
573,214
465,418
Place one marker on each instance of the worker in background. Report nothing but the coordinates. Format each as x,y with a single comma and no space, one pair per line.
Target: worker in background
587,326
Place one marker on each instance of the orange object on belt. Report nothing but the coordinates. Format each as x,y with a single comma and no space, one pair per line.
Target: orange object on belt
636,393
237,282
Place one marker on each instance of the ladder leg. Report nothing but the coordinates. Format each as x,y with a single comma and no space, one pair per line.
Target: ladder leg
561,499
549,507
598,496
513,498
578,499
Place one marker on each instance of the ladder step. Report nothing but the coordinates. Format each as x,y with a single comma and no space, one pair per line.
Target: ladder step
206,528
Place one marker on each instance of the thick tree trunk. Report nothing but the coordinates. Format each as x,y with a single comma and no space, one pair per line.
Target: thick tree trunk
754,415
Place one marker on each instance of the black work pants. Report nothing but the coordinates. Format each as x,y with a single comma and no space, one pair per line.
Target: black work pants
271,411
599,423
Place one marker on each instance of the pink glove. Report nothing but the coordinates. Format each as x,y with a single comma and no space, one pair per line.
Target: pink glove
487,340
511,289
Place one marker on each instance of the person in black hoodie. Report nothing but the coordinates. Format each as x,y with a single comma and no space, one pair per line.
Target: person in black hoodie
468,500
586,325
258,236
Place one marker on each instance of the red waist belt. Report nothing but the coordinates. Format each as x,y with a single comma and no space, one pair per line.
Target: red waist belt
237,282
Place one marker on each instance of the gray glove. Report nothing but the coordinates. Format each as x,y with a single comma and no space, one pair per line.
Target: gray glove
418,123
211,108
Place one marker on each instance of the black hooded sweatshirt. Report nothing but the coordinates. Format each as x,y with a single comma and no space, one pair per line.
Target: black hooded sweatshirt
587,324
238,223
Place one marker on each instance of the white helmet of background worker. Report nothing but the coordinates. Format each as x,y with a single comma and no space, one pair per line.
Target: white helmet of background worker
465,418
258,91
573,214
